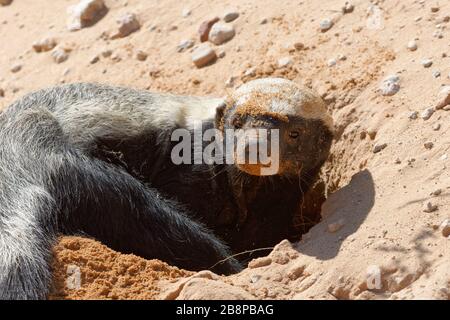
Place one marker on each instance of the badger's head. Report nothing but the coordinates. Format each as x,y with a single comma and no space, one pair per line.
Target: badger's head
296,128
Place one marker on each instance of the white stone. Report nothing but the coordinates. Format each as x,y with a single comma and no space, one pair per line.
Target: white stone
390,85
16,68
325,24
413,115
186,12
203,55
221,33
426,63
331,62
230,15
373,277
436,74
85,13
128,23
43,45
59,55
427,113
412,45
443,98
185,44
378,147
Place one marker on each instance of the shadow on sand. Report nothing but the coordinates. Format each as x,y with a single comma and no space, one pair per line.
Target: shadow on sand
350,206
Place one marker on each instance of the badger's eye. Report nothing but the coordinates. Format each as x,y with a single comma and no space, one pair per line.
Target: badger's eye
294,134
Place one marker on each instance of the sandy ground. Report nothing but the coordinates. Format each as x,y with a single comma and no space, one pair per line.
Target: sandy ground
375,241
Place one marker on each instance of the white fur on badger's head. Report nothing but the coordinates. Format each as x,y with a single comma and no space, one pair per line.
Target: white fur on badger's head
283,97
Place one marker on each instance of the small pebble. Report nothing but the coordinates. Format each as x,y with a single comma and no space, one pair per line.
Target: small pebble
412,45
16,68
185,12
436,192
390,85
255,278
85,13
445,228
203,55
66,72
413,115
434,9
185,44
373,278
128,23
428,207
59,55
230,15
426,63
221,33
443,98
436,126
348,8
43,45
301,46
107,53
436,74
427,113
331,62
264,21
5,2
428,145
325,25
2,93
378,147
141,55
438,34
94,59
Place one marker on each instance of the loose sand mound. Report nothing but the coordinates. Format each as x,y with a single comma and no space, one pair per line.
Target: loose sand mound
86,269
388,175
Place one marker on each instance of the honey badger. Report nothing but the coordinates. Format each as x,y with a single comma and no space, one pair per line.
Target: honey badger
96,160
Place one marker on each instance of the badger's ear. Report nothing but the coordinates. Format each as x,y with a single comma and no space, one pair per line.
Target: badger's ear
220,113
